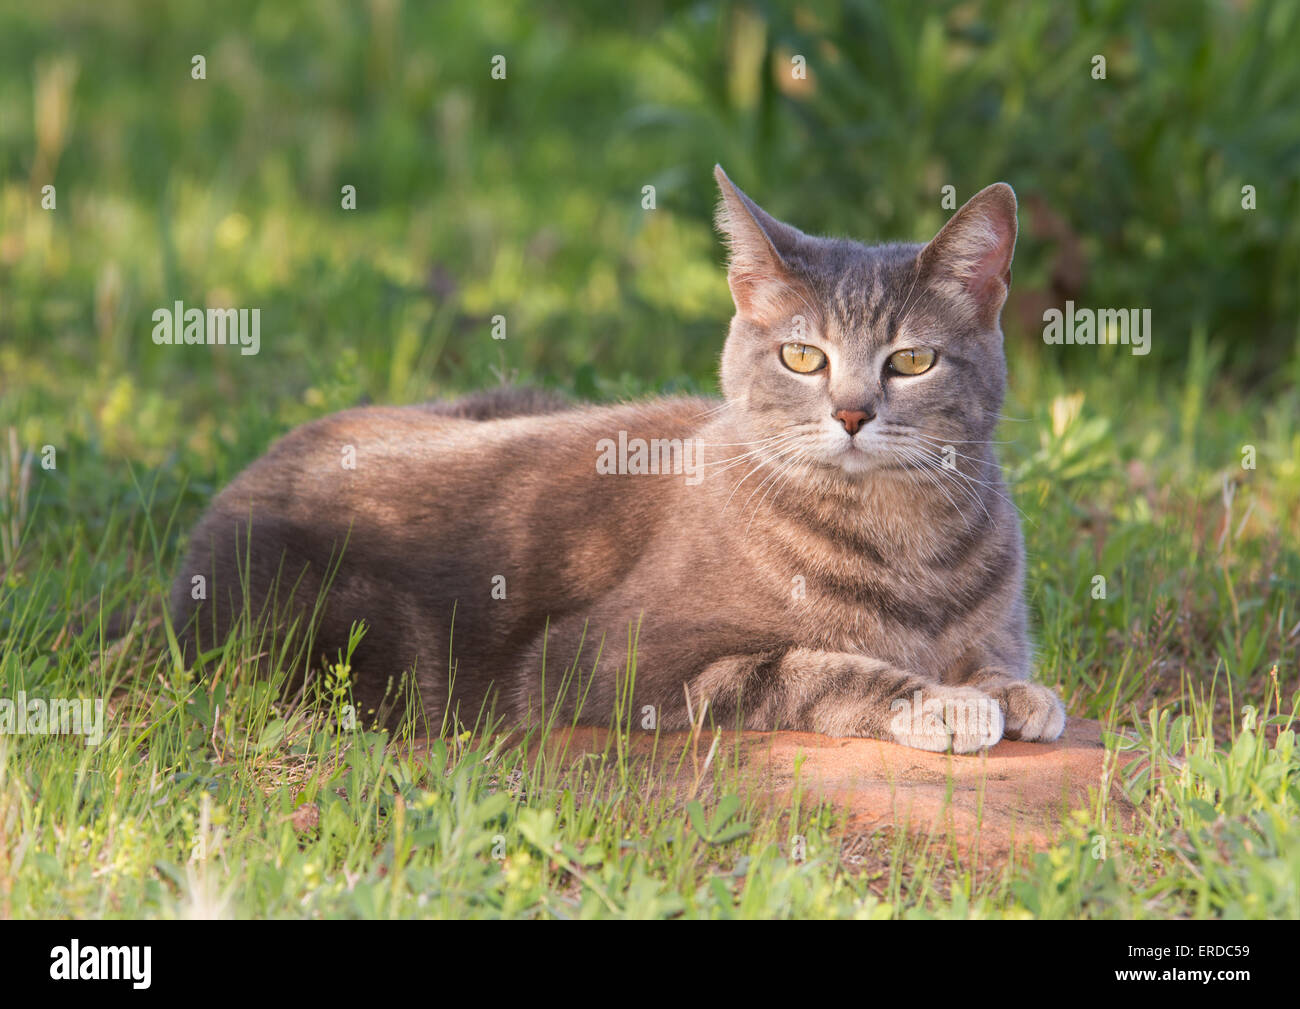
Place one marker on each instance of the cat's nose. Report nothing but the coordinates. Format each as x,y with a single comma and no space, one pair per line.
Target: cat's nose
853,420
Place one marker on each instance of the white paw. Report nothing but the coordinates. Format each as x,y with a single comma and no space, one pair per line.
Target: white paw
941,718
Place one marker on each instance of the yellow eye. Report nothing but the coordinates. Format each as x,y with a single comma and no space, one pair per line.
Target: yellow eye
912,361
802,358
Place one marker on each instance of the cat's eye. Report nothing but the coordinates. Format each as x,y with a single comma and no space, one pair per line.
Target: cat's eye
802,358
912,361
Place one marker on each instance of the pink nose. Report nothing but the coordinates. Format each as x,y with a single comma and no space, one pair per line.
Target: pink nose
853,420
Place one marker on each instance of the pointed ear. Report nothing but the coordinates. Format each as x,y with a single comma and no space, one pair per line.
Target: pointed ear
971,255
761,282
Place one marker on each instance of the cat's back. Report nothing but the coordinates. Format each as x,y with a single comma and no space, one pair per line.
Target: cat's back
446,495
379,461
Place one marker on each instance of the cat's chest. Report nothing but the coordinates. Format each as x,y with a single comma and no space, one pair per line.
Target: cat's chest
862,603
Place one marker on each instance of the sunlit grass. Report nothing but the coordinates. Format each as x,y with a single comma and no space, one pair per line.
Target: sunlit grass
1160,495
290,814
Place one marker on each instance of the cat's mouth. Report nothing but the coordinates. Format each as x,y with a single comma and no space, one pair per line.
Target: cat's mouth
868,451
857,455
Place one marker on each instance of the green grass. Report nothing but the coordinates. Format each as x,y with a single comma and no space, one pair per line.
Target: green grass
222,795
189,805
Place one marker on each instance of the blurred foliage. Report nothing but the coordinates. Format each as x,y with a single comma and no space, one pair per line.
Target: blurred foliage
522,196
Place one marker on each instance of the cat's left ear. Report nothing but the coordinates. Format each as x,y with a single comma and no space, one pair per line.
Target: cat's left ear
971,255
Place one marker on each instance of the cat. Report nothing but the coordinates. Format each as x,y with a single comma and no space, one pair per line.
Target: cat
847,560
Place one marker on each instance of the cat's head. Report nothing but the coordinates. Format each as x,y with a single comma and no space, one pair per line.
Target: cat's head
860,357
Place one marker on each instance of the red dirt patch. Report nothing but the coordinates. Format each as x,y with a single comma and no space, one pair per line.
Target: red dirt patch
1014,796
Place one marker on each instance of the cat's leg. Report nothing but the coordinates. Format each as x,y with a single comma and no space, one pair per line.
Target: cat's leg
1033,713
844,694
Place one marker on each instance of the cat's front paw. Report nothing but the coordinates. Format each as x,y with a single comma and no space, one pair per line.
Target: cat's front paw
1033,713
941,718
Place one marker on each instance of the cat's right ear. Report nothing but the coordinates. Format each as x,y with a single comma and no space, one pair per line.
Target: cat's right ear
762,284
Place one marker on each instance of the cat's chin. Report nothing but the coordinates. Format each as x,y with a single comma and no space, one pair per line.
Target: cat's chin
856,462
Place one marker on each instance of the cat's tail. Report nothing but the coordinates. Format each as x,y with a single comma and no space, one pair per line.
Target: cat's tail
502,402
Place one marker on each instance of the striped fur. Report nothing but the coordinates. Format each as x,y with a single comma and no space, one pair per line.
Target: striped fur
809,580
